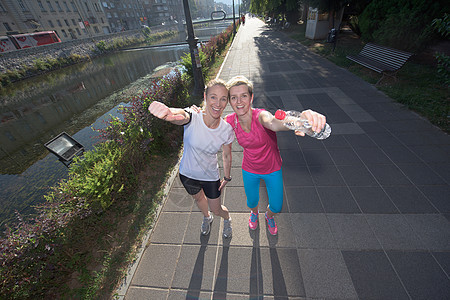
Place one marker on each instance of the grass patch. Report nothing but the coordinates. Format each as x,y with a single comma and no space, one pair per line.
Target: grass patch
419,85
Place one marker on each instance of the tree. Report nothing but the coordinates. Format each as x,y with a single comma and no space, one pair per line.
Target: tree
401,24
245,5
330,6
276,8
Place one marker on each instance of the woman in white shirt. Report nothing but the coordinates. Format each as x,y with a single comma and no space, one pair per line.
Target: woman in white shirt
205,133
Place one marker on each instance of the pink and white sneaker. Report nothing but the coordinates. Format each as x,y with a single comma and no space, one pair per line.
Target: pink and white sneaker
271,225
253,221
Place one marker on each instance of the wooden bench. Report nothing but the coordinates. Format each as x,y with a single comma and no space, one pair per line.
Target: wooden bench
381,59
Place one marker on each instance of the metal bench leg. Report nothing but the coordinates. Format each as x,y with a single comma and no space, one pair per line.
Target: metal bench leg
379,80
394,75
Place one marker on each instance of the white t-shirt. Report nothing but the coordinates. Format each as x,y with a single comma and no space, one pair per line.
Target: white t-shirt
201,145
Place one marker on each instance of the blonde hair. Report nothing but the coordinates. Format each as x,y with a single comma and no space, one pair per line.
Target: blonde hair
215,82
240,80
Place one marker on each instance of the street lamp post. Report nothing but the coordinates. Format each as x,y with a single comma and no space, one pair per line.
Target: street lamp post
195,58
234,22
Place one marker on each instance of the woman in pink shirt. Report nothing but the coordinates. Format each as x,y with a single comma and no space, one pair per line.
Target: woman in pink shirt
255,131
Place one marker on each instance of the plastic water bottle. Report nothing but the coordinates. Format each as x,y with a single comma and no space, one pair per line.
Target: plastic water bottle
292,119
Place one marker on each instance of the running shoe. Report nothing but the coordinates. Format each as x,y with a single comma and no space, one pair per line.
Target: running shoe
227,230
271,224
253,221
206,225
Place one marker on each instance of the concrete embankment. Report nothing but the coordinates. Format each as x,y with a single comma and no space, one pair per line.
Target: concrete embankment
15,60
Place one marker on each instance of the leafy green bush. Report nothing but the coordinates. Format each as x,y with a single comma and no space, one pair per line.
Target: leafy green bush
443,27
101,46
401,24
186,62
96,176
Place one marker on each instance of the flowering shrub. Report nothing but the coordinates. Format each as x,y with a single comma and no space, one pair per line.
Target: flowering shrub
139,131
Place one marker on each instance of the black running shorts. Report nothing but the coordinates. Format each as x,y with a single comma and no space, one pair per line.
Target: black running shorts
193,186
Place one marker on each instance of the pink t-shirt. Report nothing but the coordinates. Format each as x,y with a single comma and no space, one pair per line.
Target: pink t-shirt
261,153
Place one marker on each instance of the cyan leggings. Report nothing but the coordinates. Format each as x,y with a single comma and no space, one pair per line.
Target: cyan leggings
274,185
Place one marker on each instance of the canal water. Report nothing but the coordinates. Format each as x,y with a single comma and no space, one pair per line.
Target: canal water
75,100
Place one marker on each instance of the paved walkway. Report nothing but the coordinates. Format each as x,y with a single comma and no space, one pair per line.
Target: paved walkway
366,212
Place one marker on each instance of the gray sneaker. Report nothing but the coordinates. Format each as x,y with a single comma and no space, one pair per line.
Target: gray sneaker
227,230
206,225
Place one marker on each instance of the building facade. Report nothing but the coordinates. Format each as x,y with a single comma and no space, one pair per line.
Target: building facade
74,19
162,12
70,19
125,14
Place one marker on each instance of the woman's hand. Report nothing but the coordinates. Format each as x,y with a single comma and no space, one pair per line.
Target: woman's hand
195,108
316,120
223,183
161,111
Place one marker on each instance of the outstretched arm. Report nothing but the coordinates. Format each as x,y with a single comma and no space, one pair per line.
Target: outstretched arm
316,120
173,115
270,122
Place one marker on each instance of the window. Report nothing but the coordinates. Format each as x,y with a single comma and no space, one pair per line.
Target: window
108,15
78,31
87,6
50,23
66,6
73,6
58,6
72,34
96,29
2,9
64,32
7,27
73,22
49,4
41,6
59,23
67,22
22,5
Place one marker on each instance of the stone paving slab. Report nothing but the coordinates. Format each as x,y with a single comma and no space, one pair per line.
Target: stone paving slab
366,212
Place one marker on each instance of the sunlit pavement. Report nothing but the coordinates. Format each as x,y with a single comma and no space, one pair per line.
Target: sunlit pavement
365,214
